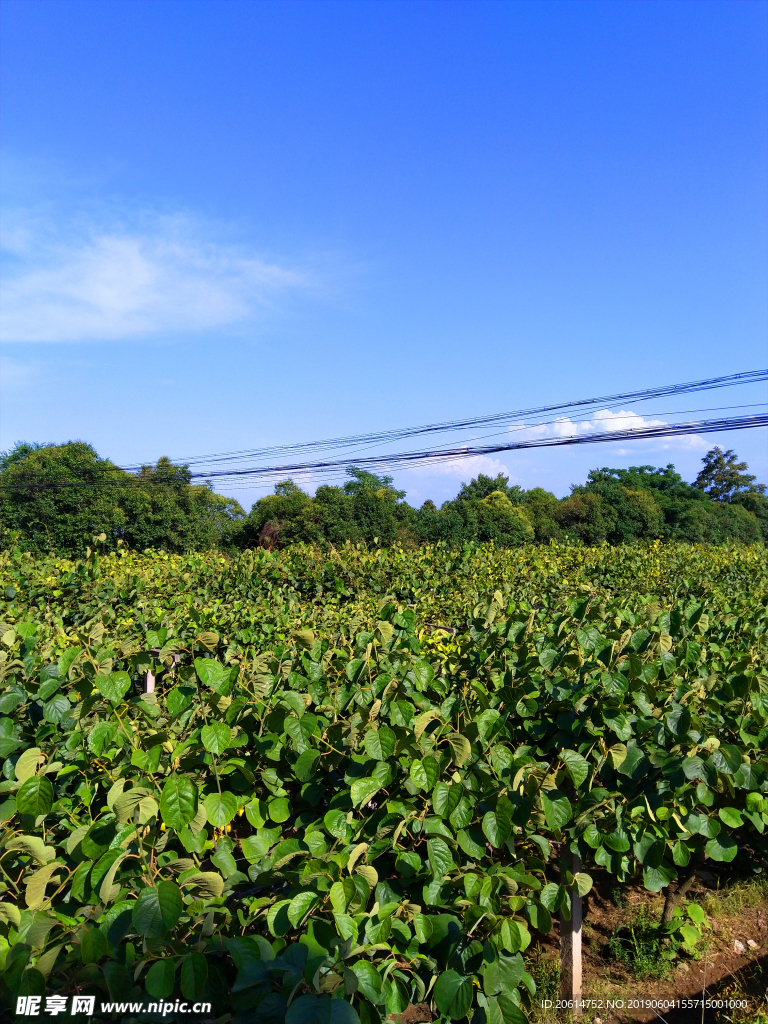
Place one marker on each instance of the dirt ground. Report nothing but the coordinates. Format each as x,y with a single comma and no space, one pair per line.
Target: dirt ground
723,969
732,964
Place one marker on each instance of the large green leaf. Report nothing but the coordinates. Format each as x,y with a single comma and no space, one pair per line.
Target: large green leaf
160,979
114,686
503,974
220,808
216,737
557,808
453,994
445,797
727,758
211,673
306,765
440,857
722,848
380,743
300,905
362,790
312,1009
425,772
35,796
497,828
577,766
157,910
194,975
368,980
178,802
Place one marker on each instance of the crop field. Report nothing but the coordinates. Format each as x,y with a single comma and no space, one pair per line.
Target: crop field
338,786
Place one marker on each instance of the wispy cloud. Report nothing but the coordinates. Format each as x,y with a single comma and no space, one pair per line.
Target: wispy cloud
605,421
111,284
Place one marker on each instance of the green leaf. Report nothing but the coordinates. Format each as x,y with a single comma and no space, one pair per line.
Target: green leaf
727,759
471,842
616,721
635,764
362,790
721,848
93,946
306,765
422,925
36,885
34,847
503,974
512,936
178,802
277,918
460,747
539,916
157,910
160,979
440,857
678,721
216,737
114,686
576,765
211,673
312,1009
445,798
557,808
583,883
279,808
681,854
425,772
368,980
453,994
194,975
300,905
336,823
35,796
655,879
486,723
220,808
342,893
380,743
731,817
497,828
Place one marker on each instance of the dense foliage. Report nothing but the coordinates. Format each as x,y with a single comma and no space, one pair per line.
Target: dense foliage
350,786
54,498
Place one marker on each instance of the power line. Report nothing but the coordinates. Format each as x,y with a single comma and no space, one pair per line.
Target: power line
420,459
399,434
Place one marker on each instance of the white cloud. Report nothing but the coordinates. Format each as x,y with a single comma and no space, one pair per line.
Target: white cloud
606,421
113,284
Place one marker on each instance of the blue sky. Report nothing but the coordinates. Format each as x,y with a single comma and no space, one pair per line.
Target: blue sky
230,225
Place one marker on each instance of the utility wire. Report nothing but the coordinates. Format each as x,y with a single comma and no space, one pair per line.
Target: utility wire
407,460
398,434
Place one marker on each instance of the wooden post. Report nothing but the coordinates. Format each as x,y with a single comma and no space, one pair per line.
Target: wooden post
570,942
149,682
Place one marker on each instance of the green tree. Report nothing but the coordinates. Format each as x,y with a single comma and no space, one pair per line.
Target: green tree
587,516
501,521
483,486
722,477
361,479
57,497
541,508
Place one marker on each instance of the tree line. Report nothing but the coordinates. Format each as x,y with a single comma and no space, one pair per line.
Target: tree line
57,497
